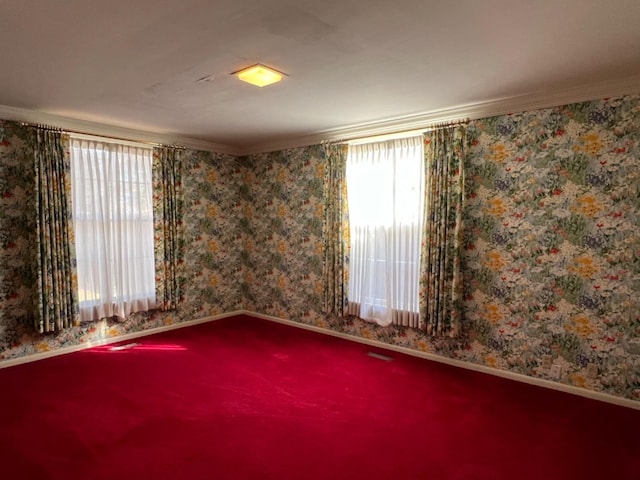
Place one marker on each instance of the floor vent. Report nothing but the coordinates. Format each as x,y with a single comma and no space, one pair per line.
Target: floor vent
380,356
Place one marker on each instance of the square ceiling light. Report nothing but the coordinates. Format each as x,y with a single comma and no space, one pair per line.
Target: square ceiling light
259,75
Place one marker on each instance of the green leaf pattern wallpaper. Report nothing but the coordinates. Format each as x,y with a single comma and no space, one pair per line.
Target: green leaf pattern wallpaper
211,267
551,249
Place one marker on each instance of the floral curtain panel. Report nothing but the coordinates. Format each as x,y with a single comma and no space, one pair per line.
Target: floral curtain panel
440,271
56,270
336,231
169,226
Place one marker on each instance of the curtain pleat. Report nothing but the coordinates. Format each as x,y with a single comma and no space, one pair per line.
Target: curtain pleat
169,226
113,220
56,270
440,271
385,201
336,231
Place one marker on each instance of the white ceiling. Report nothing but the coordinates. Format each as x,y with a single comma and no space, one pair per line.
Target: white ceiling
163,66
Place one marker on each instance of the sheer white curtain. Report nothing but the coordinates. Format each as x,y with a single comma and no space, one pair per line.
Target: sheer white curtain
385,185
111,191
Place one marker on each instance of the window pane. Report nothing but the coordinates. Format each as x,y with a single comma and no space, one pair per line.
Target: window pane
113,221
385,185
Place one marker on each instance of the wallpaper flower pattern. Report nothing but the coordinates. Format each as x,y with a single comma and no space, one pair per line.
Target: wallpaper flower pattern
17,234
553,244
283,252
551,250
211,265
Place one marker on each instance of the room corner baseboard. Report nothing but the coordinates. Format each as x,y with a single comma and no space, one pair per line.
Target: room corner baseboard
518,377
107,341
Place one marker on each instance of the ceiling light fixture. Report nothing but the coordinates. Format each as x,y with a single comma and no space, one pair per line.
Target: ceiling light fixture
259,75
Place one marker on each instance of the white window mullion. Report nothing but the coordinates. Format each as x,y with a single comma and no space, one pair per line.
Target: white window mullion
385,185
114,237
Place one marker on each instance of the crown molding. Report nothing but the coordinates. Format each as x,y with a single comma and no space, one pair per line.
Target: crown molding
473,111
113,131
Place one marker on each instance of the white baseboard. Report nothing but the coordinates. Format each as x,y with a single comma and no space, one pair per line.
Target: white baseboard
518,377
121,338
603,397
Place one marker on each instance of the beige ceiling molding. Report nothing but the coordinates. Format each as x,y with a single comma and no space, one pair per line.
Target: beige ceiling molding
492,108
501,106
112,131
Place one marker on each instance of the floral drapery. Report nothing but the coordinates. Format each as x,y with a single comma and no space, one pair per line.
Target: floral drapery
168,216
336,231
441,294
57,303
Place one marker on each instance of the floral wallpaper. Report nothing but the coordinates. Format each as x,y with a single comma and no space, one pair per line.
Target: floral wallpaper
552,246
17,234
212,260
282,250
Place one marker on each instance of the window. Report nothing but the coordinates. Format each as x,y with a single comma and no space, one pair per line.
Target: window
111,190
385,185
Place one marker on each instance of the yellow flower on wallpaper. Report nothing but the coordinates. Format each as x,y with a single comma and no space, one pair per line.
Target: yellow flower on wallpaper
212,177
282,282
282,211
212,211
213,246
248,177
498,153
587,205
496,207
321,323
248,211
578,380
493,313
494,261
214,280
581,326
590,144
282,247
584,267
491,361
42,347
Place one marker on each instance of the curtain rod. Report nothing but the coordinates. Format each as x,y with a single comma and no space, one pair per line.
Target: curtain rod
52,128
399,133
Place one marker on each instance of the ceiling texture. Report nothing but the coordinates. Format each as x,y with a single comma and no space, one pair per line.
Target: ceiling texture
161,69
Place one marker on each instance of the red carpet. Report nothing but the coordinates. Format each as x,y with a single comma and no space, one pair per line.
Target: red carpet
243,398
